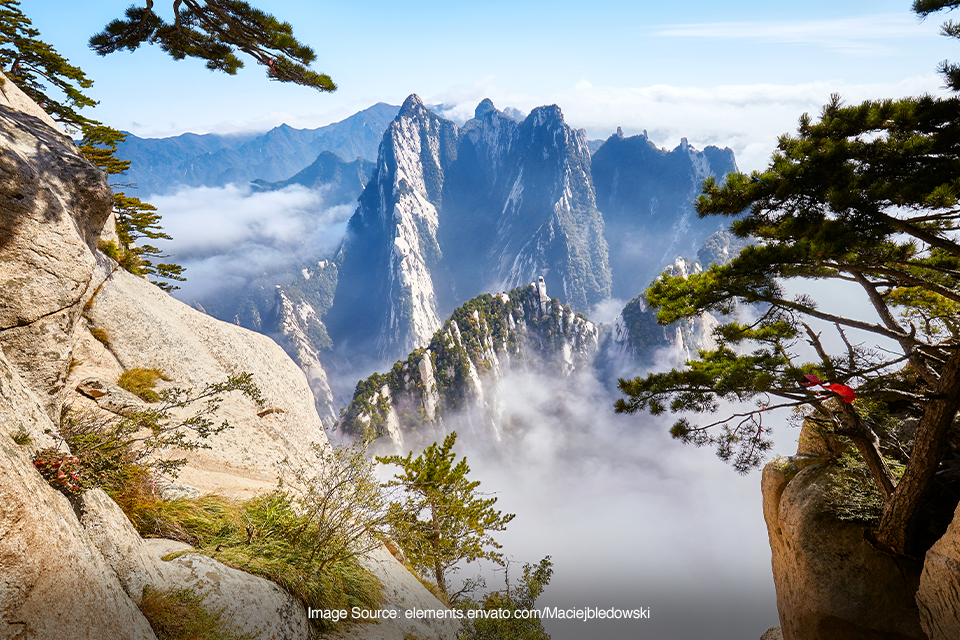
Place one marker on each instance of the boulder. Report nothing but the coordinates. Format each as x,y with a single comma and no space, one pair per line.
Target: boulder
831,583
773,633
177,490
250,605
939,593
111,397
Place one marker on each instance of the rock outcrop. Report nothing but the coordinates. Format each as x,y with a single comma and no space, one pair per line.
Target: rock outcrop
831,583
461,370
69,318
54,204
939,594
53,577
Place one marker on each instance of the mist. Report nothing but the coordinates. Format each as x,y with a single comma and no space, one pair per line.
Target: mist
227,236
630,517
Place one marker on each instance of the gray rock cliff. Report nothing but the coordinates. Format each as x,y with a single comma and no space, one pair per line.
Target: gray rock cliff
78,569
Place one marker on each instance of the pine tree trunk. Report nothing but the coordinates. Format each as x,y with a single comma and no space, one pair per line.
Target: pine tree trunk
437,567
900,510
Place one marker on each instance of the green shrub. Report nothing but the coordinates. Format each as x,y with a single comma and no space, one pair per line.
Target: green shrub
127,259
851,494
120,454
21,437
140,382
273,542
179,614
517,597
265,536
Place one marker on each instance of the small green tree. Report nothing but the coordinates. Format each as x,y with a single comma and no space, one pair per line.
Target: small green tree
33,65
514,598
442,520
135,219
213,30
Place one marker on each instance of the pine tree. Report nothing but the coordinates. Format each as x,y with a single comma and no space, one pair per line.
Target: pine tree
924,8
135,219
442,521
867,195
518,598
32,65
214,30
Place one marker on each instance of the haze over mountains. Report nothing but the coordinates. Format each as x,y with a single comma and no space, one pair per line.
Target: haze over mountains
162,165
446,213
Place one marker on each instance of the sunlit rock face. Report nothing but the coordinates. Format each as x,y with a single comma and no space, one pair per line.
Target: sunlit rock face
452,212
70,321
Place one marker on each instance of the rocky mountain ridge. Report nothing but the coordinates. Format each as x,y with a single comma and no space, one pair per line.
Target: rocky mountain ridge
646,195
636,334
452,212
463,365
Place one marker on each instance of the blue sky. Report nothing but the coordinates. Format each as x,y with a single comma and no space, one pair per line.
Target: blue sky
734,74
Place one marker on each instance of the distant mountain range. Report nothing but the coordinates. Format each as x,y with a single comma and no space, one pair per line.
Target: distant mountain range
162,165
452,212
448,213
646,195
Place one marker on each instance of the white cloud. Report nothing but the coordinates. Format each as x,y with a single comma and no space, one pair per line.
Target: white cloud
226,235
859,35
630,516
748,118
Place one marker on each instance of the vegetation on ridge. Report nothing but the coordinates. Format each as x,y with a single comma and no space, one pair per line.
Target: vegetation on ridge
141,382
482,328
179,614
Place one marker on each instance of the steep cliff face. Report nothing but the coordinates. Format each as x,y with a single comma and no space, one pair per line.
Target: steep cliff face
646,195
460,371
290,314
71,321
55,204
832,584
636,333
453,212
